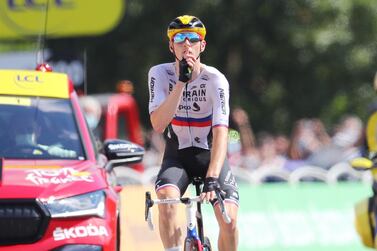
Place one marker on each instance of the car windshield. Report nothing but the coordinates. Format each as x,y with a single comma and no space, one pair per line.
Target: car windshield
38,128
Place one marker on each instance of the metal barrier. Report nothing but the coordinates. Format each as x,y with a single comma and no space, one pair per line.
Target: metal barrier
340,172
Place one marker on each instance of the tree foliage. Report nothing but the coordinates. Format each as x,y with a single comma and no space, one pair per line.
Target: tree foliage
284,59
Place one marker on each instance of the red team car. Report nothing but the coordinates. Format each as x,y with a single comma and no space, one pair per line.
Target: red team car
57,191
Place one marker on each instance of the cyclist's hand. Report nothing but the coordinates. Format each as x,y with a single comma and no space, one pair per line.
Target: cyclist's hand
210,185
185,71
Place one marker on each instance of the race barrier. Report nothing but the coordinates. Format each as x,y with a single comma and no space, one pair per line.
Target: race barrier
308,216
307,209
339,172
273,217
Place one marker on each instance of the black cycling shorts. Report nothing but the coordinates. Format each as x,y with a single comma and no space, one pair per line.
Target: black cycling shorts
179,167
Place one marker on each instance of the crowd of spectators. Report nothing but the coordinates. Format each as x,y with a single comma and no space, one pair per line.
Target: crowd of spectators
309,144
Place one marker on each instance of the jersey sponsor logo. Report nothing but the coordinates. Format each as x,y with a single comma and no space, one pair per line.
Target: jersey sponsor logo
202,85
222,100
197,139
169,72
151,87
230,180
205,77
234,196
184,107
196,107
194,95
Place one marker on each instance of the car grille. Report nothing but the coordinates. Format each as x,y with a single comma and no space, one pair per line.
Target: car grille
22,221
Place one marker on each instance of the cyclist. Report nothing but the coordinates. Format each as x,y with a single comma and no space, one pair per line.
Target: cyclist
189,102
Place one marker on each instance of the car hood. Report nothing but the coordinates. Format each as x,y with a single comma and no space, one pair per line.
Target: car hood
47,179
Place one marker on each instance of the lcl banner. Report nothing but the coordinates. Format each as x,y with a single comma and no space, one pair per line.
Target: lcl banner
60,18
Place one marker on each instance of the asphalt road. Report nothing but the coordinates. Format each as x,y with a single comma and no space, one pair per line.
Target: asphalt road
136,235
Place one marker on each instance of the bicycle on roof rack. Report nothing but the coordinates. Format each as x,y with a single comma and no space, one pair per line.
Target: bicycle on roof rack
195,239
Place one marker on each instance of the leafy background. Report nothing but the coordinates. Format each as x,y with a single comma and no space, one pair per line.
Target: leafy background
284,59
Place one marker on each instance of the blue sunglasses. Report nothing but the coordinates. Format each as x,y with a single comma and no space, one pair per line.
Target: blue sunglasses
193,37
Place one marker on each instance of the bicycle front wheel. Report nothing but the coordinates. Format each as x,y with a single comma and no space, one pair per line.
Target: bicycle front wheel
192,245
207,244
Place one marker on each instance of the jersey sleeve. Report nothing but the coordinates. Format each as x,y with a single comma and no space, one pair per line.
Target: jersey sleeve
220,100
157,92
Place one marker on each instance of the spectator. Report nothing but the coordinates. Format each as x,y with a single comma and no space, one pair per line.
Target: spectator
282,144
308,136
246,154
343,145
92,112
125,86
268,155
154,145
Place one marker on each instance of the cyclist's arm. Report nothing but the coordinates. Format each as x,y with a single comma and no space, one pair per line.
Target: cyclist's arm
220,118
162,106
162,116
219,150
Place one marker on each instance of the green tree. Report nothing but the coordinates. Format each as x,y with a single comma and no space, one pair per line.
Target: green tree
284,59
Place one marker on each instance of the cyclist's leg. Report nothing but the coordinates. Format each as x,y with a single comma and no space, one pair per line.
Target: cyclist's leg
172,180
228,235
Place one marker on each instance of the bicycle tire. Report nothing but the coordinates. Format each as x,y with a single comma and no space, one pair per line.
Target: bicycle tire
192,244
207,245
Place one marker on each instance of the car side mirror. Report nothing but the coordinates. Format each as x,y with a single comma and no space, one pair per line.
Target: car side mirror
122,152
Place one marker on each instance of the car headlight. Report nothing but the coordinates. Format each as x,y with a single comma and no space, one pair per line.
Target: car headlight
89,204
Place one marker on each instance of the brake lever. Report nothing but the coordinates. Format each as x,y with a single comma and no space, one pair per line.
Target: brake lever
148,213
220,197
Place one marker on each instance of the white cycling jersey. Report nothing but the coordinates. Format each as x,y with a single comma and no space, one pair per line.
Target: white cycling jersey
204,104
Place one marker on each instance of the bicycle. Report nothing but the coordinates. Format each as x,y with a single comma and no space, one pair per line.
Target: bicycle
195,239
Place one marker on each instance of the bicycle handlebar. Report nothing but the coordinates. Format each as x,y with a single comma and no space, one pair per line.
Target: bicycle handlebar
149,202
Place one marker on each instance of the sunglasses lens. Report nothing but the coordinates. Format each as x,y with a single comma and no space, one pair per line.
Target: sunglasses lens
191,36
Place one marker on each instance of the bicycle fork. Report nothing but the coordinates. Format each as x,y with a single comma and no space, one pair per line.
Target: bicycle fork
192,241
191,221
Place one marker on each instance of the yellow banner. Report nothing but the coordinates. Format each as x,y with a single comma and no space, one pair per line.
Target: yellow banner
65,18
33,83
6,100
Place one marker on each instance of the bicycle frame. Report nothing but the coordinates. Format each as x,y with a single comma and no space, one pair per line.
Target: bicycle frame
194,219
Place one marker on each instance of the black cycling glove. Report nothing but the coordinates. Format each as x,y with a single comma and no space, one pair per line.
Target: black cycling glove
185,71
211,184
